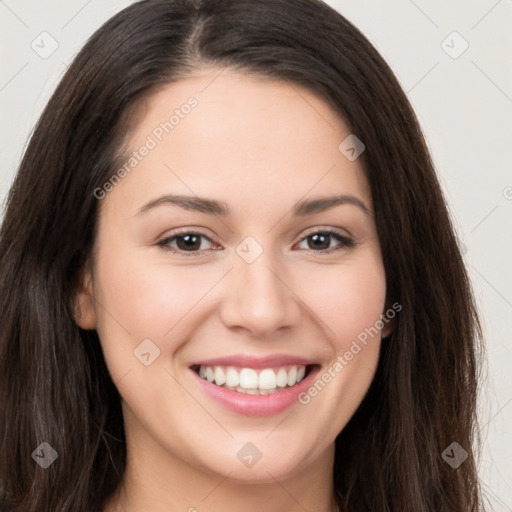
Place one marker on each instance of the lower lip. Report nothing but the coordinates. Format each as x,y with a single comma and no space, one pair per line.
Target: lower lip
257,405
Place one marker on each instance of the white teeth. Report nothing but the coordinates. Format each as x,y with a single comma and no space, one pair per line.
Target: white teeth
220,377
292,376
248,378
267,379
281,378
232,377
210,374
251,381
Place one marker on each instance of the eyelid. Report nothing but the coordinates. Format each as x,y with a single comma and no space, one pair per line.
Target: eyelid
327,229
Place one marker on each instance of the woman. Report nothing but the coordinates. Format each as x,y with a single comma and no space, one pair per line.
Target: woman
176,335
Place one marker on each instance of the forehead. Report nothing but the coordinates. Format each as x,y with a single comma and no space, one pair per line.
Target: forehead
245,139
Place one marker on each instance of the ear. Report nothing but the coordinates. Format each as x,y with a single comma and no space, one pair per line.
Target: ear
389,320
84,311
388,328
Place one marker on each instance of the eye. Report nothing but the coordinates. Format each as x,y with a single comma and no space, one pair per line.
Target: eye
189,243
320,240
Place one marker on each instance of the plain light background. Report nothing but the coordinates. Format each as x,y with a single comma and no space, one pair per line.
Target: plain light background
463,99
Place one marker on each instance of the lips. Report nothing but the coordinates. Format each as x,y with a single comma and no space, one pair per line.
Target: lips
248,361
255,386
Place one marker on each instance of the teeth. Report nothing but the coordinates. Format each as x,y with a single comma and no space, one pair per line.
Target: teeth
251,381
292,376
210,375
281,378
267,379
220,376
248,379
232,377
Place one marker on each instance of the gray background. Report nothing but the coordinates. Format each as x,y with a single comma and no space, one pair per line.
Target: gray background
464,103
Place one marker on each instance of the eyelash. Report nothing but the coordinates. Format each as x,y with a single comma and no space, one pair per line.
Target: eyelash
346,242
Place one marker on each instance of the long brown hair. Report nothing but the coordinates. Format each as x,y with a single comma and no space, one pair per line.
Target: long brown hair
54,384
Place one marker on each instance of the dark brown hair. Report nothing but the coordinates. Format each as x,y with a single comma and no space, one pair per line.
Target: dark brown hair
54,384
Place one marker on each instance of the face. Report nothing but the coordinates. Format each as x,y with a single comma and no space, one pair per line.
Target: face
261,288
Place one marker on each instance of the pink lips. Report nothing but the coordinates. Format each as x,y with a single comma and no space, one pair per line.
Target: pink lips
256,405
248,361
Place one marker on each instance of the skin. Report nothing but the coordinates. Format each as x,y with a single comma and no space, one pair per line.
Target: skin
260,146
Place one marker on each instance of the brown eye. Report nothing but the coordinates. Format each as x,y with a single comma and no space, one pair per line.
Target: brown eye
320,241
186,242
189,243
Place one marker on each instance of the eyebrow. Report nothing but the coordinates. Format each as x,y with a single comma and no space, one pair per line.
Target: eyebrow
214,207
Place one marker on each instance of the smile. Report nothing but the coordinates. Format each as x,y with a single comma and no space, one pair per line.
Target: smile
253,385
261,381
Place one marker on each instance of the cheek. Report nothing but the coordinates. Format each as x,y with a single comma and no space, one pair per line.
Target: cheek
143,301
139,300
348,299
350,302
148,299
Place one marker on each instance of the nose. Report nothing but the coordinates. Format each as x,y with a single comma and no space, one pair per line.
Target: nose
259,298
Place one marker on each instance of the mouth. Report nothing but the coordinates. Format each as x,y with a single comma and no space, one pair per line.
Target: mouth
254,381
251,385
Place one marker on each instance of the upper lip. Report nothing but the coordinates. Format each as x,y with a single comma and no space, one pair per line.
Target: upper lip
249,361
